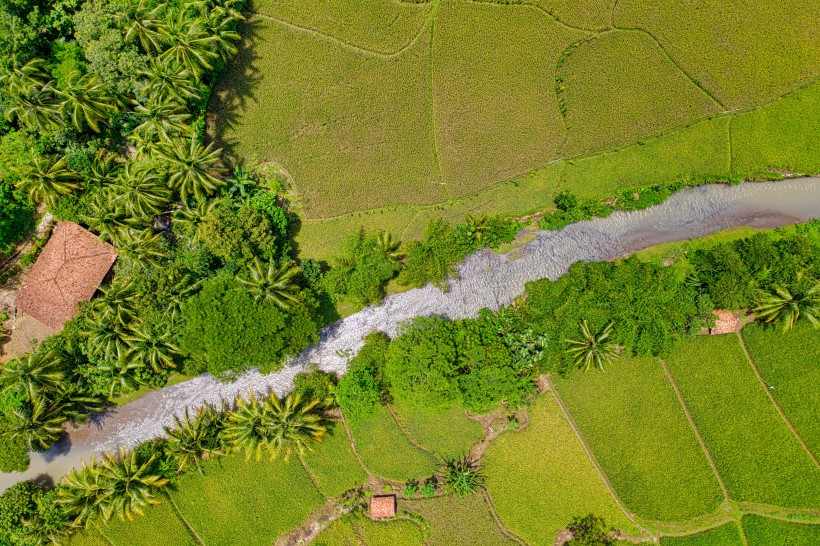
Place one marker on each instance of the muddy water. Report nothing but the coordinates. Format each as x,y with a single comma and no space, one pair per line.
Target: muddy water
485,280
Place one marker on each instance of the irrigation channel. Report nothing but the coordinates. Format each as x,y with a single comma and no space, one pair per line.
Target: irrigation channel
485,279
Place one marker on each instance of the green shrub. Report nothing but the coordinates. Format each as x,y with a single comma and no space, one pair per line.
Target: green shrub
363,271
16,218
238,235
360,388
16,503
14,455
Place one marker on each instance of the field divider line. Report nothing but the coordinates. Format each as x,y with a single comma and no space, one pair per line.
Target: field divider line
104,537
352,442
629,515
775,403
502,527
310,475
409,438
344,43
731,144
184,521
692,424
521,4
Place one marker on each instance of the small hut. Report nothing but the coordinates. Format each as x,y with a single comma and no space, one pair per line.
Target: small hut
383,506
726,322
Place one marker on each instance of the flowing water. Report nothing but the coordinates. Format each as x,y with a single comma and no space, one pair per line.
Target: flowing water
485,279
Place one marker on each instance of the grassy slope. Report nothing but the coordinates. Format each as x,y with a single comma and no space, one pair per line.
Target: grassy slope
333,464
448,433
789,362
495,110
372,24
769,532
622,85
455,520
540,478
742,51
159,525
386,451
756,454
726,535
699,150
273,498
785,135
639,434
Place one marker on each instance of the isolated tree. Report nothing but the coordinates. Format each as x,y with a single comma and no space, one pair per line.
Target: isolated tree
593,350
86,102
46,180
785,307
271,283
193,167
590,530
462,476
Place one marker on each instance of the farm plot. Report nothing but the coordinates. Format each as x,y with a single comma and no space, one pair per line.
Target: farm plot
448,432
386,451
539,478
784,135
620,86
701,150
333,464
371,24
360,138
159,525
635,426
459,520
364,532
257,501
588,14
494,103
790,364
762,531
758,457
726,535
743,52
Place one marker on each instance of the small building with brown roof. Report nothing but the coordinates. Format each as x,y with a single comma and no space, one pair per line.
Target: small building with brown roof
726,322
383,506
68,271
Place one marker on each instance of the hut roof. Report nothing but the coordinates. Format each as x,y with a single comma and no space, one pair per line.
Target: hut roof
726,322
69,270
383,506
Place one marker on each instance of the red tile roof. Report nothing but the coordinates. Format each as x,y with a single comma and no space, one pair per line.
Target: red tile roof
383,506
69,269
726,322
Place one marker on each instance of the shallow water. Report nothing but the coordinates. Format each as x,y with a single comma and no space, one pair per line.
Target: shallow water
485,279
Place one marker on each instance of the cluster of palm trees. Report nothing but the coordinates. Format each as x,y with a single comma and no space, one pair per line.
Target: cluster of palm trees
123,485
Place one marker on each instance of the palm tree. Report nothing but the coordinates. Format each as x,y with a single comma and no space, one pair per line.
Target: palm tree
187,217
141,191
477,226
787,307
116,302
162,121
169,83
246,428
81,494
220,25
191,165
45,181
192,46
145,23
103,168
86,101
390,246
34,372
593,349
293,425
143,245
76,404
130,485
148,348
191,439
30,96
462,476
37,424
110,221
271,284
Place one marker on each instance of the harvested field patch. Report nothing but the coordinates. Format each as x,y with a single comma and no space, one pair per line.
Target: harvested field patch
361,135
762,531
159,525
620,86
257,501
789,364
540,477
756,454
741,51
635,426
448,432
371,24
386,451
459,520
701,150
333,464
784,135
726,535
495,111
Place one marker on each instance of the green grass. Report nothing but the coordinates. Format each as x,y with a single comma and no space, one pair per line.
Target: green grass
159,525
772,46
789,363
679,249
726,535
448,433
761,531
87,537
755,452
635,426
495,110
257,501
540,477
624,86
386,451
784,135
370,24
699,150
456,520
333,464
364,532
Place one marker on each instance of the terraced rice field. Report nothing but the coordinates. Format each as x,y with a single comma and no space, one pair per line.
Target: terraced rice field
333,464
447,432
761,531
726,535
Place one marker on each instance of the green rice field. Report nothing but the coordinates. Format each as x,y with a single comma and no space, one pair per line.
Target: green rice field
333,464
447,432
726,535
455,520
761,531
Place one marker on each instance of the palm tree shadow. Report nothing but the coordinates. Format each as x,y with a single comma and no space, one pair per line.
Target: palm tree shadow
234,88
